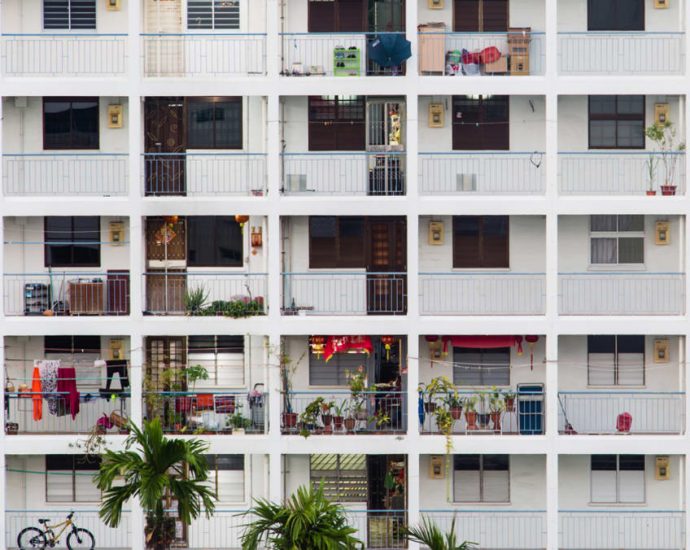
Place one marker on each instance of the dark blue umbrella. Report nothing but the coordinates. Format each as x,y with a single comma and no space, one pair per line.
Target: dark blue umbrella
389,50
420,408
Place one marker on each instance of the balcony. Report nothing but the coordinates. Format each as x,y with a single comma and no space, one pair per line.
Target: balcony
208,412
215,293
596,412
204,174
621,53
106,537
464,173
609,529
350,174
627,293
341,412
61,293
379,528
64,55
614,173
333,54
65,174
489,528
204,55
457,293
348,293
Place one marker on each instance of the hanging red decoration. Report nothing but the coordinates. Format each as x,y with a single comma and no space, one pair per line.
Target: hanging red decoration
347,344
518,341
531,340
387,342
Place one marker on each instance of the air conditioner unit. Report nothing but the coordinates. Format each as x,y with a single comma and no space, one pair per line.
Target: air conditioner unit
296,183
466,182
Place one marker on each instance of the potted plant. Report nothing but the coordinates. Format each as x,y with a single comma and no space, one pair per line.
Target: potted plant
651,164
287,371
664,136
444,420
509,400
339,416
194,374
353,410
470,406
238,422
195,300
496,408
454,403
326,415
310,417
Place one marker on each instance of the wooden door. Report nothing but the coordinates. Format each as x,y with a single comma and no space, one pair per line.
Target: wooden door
118,292
386,265
166,357
165,291
165,145
481,124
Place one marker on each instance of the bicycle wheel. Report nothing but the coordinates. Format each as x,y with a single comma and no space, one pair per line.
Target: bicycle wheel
31,537
80,538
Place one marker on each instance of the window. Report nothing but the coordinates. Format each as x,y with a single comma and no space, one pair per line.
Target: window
336,242
221,356
214,123
615,360
214,241
480,16
334,373
70,478
481,478
213,14
481,367
337,123
617,240
615,15
617,478
69,14
337,16
616,122
226,477
480,241
344,477
80,352
481,123
70,123
72,241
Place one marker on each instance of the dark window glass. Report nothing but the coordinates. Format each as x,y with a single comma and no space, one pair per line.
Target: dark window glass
496,463
335,372
70,123
337,16
467,462
337,123
601,344
214,123
72,344
604,462
213,14
336,242
480,241
631,462
480,15
616,122
69,14
225,462
214,241
481,123
615,15
72,241
218,344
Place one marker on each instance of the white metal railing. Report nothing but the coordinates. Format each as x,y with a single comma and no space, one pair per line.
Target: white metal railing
64,55
476,42
110,538
460,293
215,55
203,174
621,53
490,528
223,530
608,529
482,173
614,173
597,411
626,293
65,174
348,293
352,173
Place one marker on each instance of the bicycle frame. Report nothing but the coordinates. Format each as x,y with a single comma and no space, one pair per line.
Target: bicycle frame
54,538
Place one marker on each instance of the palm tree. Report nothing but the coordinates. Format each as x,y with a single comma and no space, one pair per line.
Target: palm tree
429,534
157,471
307,521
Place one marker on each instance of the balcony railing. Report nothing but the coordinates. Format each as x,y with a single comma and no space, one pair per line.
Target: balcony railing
64,55
383,529
621,53
352,173
597,412
608,529
509,529
521,413
55,416
204,174
482,173
216,55
369,412
208,411
314,54
433,62
628,293
106,537
615,173
349,293
457,293
224,294
60,293
222,530
65,174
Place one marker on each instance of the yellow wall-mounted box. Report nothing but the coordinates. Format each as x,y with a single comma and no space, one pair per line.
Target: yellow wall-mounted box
117,233
661,350
436,233
661,4
116,349
115,116
662,470
436,115
436,469
435,4
112,5
663,234
661,113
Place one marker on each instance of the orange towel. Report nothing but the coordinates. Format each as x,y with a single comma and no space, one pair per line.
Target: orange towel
37,394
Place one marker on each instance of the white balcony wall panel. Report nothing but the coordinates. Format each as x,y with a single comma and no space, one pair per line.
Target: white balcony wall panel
572,16
26,16
523,13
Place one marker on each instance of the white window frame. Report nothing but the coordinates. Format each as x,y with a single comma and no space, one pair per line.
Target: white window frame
73,479
212,382
618,485
616,368
617,235
246,480
481,499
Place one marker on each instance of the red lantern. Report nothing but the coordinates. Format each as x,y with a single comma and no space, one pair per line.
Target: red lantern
317,344
531,340
387,342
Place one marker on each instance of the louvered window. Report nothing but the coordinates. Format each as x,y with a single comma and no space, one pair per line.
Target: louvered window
69,14
70,478
481,478
213,14
221,356
344,477
618,478
226,476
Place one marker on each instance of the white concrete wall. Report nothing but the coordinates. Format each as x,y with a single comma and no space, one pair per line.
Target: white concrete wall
572,16
26,16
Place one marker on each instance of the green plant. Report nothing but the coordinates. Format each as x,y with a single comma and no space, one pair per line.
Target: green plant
430,535
453,400
196,373
306,521
310,415
157,471
237,420
195,300
470,403
664,136
650,165
496,402
381,418
357,381
341,408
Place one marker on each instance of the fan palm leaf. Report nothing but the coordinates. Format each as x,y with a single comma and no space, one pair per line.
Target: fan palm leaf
430,535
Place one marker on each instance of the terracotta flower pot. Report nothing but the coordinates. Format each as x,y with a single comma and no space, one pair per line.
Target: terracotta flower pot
350,424
327,419
338,422
651,192
496,420
456,413
289,419
668,190
471,419
429,407
510,404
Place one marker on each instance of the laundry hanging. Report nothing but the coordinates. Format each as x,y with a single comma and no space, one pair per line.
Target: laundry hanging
37,394
67,388
48,369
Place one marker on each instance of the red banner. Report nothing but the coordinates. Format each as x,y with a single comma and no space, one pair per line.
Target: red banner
347,344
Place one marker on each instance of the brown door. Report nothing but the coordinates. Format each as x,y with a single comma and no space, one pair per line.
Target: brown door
165,146
386,265
480,15
165,291
118,292
166,358
481,124
387,498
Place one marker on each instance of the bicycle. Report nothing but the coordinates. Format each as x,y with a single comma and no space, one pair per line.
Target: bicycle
34,537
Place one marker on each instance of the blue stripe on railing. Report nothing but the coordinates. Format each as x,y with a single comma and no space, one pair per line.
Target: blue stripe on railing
484,33
482,273
642,152
479,511
58,274
343,392
622,33
206,35
202,391
324,34
204,154
619,511
480,153
195,273
50,154
620,392
346,273
619,273
63,35
343,153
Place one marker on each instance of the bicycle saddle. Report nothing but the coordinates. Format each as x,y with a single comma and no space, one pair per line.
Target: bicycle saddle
43,520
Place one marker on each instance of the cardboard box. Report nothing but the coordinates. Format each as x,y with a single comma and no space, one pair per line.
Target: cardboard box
499,66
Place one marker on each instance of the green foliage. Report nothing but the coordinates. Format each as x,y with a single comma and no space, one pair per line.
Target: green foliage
431,536
307,521
238,421
196,373
195,300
